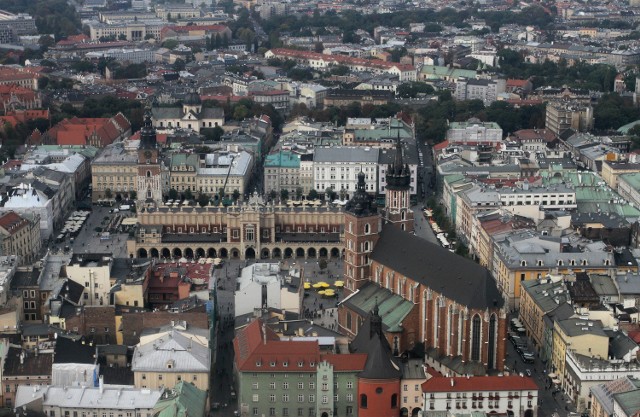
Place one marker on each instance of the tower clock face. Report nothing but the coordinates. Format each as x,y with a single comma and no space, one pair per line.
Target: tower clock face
147,154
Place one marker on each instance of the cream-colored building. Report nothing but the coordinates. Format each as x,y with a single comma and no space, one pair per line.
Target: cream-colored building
611,170
209,173
20,235
131,30
413,375
93,271
170,355
114,172
584,337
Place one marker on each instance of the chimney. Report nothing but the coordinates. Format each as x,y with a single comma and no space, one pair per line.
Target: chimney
264,333
101,384
452,382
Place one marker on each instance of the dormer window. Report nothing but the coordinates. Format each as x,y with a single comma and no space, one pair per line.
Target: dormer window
170,364
300,364
312,364
258,363
573,262
272,363
285,364
523,263
539,263
584,262
560,263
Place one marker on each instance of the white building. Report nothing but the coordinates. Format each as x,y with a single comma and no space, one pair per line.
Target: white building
485,90
25,199
135,56
266,285
93,271
474,132
131,30
192,115
516,395
337,168
61,401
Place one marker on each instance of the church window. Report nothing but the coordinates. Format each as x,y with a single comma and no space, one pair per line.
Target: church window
367,229
363,400
148,174
403,215
475,338
394,401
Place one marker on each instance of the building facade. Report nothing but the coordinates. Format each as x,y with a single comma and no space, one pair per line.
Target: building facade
20,236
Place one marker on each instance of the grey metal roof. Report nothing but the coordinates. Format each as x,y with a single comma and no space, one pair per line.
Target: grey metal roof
181,347
347,154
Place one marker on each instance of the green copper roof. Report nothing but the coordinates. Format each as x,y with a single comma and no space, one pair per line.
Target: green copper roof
282,159
185,400
392,308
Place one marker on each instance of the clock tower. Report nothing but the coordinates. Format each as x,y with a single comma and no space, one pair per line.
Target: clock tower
149,180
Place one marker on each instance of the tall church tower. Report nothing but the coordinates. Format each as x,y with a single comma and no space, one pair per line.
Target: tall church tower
397,208
149,180
362,225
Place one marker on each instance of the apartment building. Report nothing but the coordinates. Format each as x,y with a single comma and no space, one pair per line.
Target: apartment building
474,132
479,89
562,115
282,172
20,235
338,167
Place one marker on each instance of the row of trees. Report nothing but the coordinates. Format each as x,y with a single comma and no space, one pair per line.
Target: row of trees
596,77
349,22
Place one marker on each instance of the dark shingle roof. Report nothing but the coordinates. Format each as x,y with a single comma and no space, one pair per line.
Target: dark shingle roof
68,351
455,277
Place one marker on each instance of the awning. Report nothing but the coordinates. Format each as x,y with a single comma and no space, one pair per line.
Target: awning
129,221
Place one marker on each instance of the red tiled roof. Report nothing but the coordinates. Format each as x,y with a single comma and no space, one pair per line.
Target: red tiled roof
635,336
440,146
341,59
516,83
480,384
12,222
11,164
21,116
76,131
531,134
160,137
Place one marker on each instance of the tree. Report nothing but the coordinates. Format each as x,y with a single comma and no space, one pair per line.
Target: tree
413,88
108,193
188,195
331,195
236,195
122,37
272,195
298,193
284,194
313,194
133,195
322,264
173,194
179,65
203,199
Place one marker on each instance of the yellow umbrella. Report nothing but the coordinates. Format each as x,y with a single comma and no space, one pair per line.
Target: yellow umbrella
339,284
322,292
316,286
329,293
324,284
307,286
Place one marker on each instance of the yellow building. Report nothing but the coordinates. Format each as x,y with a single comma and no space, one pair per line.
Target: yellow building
171,355
537,298
611,170
523,256
584,337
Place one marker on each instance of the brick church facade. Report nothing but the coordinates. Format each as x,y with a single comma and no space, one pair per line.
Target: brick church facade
424,293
